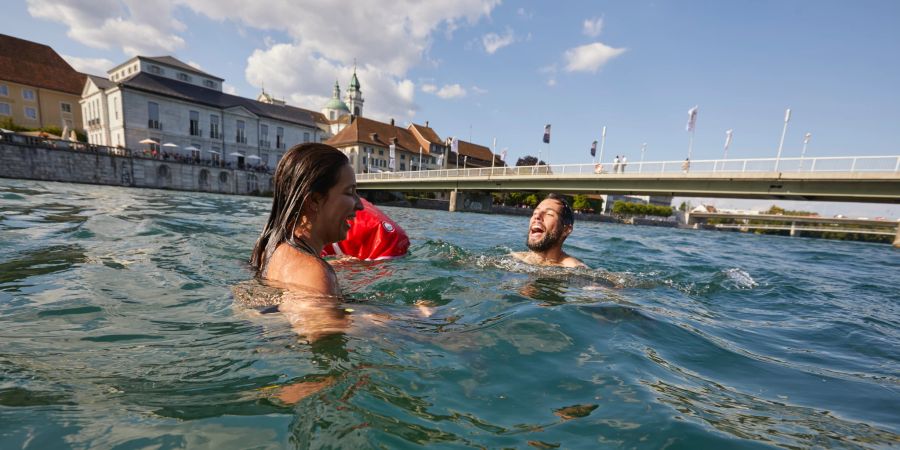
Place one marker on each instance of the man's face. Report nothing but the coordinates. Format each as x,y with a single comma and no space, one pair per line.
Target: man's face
545,229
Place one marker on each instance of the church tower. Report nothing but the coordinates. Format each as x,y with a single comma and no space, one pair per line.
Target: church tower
354,96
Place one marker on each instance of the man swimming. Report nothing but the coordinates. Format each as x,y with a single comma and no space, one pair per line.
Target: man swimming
551,223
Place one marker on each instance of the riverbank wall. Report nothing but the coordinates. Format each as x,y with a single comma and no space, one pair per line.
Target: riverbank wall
35,159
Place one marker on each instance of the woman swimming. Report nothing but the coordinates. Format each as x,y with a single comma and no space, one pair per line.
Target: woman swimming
314,202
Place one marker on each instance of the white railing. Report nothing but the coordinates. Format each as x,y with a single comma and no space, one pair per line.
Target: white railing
831,164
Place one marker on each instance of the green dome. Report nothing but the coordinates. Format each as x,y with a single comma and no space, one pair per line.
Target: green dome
337,104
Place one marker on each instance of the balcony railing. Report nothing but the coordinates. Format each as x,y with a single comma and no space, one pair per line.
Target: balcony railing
154,124
266,144
240,139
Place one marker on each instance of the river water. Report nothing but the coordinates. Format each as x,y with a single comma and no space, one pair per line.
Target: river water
120,328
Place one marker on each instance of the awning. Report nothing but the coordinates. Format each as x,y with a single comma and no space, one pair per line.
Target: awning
192,148
169,144
235,154
213,151
253,157
148,141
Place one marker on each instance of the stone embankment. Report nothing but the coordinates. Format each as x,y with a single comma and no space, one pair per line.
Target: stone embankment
31,158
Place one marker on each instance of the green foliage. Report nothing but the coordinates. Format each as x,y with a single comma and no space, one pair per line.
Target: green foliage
529,160
585,204
531,200
8,124
621,208
684,206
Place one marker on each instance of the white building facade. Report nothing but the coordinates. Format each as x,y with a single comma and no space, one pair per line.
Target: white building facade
162,106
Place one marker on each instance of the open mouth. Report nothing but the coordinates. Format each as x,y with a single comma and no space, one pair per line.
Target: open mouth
535,231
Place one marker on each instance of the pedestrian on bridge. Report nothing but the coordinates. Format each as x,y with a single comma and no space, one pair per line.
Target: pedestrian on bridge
686,165
624,163
616,164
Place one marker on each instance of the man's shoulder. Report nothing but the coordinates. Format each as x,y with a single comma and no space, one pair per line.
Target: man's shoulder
571,261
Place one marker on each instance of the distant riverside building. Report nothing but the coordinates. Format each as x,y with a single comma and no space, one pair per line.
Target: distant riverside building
37,87
148,102
474,155
657,200
367,144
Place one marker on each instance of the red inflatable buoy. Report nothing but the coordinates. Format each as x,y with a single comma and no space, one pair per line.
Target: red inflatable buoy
372,236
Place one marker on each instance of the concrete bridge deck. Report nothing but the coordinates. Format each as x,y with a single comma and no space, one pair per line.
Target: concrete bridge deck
852,179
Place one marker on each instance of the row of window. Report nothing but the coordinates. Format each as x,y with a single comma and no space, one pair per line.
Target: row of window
214,131
412,158
27,94
6,110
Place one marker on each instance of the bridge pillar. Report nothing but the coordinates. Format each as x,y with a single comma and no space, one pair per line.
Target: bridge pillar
471,201
897,238
453,197
793,229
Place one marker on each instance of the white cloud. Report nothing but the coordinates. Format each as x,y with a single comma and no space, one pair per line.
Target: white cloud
550,71
493,41
429,88
387,38
521,12
135,26
449,91
93,66
195,65
590,57
229,89
479,90
593,27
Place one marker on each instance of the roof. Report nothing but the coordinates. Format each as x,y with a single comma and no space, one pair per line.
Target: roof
427,134
336,103
354,82
192,93
37,65
102,83
170,61
367,131
474,150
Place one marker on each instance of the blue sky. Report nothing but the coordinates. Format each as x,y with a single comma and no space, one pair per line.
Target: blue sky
482,69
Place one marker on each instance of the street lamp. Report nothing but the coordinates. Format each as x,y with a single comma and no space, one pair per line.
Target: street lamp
643,148
806,138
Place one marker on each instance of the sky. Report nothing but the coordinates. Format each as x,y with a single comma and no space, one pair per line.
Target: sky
485,69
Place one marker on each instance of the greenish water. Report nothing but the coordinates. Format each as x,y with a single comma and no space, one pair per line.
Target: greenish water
119,329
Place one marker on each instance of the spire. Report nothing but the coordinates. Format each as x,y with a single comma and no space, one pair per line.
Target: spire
336,93
354,82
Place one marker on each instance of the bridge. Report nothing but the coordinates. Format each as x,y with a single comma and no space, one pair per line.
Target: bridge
872,179
797,224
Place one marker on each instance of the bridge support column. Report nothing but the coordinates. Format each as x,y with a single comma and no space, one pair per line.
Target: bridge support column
471,201
897,238
793,229
454,194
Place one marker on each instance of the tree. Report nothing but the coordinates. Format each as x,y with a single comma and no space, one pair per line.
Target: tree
532,201
529,160
580,203
776,210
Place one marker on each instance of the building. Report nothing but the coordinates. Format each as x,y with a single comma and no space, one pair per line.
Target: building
367,143
161,104
37,87
658,200
473,155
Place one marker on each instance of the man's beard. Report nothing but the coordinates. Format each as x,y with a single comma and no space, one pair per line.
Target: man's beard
550,239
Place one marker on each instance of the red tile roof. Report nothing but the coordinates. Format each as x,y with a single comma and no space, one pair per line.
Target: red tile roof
37,65
367,131
475,151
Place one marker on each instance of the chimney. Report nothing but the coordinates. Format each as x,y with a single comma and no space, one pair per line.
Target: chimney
392,121
426,124
374,136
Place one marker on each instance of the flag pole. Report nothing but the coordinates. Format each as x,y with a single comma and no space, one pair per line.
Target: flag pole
787,118
493,155
602,144
641,167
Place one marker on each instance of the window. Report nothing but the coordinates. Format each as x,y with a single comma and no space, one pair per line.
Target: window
403,157
28,94
5,109
66,107
214,127
184,77
196,153
30,113
402,166
332,115
279,137
116,108
264,136
129,70
4,90
381,152
240,137
306,137
194,123
153,115
155,69
209,83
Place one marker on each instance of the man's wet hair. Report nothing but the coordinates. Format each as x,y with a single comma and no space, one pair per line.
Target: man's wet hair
568,217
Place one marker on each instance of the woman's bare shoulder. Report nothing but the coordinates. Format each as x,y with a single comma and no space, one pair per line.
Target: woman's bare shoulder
300,269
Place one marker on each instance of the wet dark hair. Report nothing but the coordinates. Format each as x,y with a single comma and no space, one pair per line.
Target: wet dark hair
304,170
568,217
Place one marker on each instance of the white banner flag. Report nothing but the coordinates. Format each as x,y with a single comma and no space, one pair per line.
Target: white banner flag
393,149
503,155
692,118
728,137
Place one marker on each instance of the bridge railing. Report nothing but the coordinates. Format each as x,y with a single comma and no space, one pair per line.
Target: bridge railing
831,164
